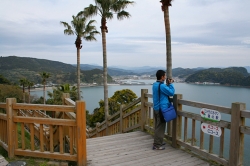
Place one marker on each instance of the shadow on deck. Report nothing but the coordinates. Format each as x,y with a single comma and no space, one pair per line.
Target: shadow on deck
135,148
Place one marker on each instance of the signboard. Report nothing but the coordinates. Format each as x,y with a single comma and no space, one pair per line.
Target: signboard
211,129
211,115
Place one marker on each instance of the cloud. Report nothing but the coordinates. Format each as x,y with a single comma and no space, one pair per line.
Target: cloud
203,33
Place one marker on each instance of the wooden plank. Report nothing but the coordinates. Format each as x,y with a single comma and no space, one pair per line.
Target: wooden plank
3,105
5,146
193,132
222,143
48,121
148,95
197,117
110,144
41,138
44,107
61,139
245,130
221,109
185,128
201,139
211,144
133,157
204,153
70,102
71,140
245,114
131,112
149,104
114,115
81,133
116,136
236,152
3,116
11,132
114,122
131,146
131,128
48,155
132,104
23,136
51,141
32,137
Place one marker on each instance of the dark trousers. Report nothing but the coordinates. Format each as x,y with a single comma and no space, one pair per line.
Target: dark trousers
159,129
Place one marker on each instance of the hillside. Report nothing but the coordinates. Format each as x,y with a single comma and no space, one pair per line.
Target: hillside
226,76
111,71
14,68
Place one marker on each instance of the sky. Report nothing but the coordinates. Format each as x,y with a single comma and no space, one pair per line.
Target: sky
204,33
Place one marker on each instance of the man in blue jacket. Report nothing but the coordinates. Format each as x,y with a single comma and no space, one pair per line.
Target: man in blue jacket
161,92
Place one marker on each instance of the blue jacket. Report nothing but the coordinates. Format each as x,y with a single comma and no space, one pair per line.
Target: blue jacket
165,91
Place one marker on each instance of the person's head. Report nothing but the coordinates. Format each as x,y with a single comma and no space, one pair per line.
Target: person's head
161,75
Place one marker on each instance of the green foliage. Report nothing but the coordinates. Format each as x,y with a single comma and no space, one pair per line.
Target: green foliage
10,91
3,80
227,76
121,97
13,68
56,95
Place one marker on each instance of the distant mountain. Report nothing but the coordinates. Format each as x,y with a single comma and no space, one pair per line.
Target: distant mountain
111,70
144,70
183,73
228,76
14,68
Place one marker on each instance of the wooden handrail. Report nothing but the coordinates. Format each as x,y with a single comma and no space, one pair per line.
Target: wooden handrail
140,117
44,107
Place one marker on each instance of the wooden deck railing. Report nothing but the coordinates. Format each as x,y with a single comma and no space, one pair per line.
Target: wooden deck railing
75,129
134,116
141,117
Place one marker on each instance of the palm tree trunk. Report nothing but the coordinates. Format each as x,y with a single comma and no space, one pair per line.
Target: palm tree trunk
78,74
29,94
23,95
105,73
44,94
168,42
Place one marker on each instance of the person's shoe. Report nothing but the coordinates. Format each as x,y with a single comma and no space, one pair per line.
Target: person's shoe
158,148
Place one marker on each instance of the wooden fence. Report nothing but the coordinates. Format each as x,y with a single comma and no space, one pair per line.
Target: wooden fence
142,117
53,131
134,116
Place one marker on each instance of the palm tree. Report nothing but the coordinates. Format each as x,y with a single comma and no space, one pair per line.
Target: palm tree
81,30
30,84
23,83
44,76
165,5
106,9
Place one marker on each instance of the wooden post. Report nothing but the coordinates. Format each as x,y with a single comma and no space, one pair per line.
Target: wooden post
236,138
81,133
11,132
144,99
177,123
121,119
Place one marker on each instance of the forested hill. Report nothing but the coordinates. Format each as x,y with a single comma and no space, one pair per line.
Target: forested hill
14,68
227,76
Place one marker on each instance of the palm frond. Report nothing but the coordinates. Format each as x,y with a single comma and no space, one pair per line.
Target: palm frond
90,11
121,5
123,14
68,30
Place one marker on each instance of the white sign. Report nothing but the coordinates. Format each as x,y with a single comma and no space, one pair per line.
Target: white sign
211,129
211,115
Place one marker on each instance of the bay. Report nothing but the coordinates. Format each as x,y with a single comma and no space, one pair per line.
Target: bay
210,94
